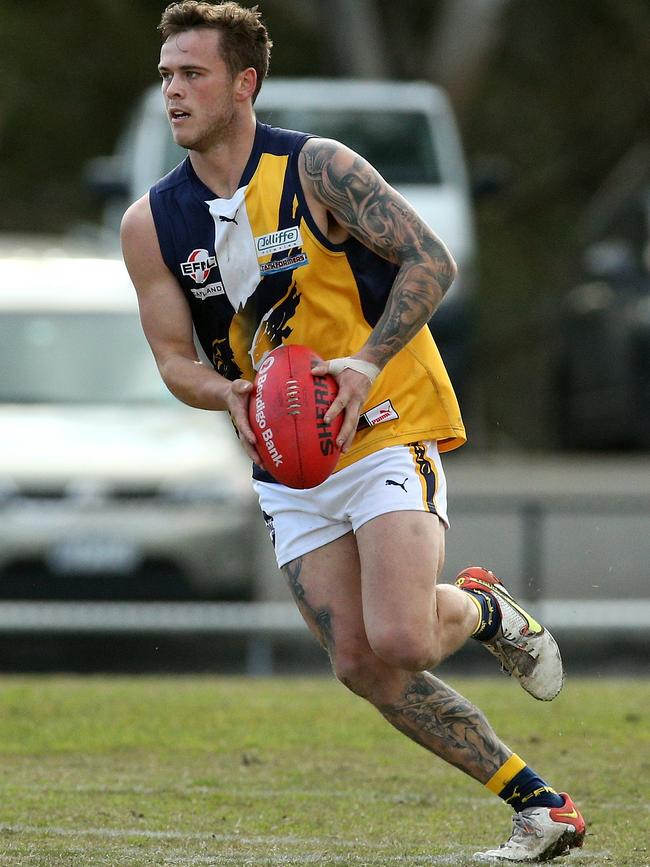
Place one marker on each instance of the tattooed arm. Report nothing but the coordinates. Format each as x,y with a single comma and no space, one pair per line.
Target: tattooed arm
358,199
346,193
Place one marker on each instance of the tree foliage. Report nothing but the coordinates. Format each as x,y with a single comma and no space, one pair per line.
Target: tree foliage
565,91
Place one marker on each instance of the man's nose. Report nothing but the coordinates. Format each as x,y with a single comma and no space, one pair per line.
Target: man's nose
174,86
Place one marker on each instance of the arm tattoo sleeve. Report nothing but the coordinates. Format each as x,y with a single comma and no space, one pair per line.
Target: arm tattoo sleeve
362,202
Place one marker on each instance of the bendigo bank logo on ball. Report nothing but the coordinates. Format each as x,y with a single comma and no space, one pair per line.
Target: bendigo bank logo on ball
286,410
260,411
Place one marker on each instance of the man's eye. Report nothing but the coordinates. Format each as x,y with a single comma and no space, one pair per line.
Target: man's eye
192,74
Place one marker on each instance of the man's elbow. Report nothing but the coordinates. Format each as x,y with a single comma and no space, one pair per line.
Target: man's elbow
446,271
453,270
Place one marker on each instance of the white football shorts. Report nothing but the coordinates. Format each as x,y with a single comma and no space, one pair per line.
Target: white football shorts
398,478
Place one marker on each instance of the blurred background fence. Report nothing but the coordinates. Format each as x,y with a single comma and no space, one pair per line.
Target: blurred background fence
571,536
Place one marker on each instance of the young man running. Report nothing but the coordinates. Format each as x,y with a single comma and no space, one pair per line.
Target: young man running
264,236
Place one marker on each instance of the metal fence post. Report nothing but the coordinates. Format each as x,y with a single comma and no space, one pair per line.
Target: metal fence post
533,513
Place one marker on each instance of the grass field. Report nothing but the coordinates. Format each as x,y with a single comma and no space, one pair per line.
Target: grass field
202,771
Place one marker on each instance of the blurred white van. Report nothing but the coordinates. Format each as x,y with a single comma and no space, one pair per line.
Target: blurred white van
405,129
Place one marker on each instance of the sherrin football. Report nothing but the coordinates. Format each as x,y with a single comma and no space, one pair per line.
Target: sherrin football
286,412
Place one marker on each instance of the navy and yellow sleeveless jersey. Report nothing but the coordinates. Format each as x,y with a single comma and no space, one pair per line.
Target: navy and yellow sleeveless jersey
257,273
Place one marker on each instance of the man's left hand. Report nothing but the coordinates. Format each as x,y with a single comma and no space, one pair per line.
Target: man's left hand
354,387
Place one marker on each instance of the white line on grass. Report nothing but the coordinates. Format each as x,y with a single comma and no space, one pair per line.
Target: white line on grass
269,842
128,855
142,833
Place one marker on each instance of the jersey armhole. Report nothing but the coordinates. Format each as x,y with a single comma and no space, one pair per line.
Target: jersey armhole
304,207
163,229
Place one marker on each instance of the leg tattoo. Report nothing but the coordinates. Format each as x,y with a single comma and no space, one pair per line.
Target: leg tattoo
442,721
427,710
319,619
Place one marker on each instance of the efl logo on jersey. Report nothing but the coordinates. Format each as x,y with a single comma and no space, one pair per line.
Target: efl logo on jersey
198,266
283,239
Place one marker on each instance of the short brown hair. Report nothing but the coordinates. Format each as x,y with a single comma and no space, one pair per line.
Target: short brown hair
245,41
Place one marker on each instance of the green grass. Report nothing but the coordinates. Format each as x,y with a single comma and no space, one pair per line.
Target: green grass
202,771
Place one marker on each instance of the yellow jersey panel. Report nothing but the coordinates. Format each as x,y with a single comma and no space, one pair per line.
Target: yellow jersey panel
258,273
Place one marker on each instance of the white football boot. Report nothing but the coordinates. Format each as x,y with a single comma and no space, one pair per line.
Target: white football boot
525,649
540,834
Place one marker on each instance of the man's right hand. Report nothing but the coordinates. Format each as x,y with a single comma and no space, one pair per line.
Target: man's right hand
237,399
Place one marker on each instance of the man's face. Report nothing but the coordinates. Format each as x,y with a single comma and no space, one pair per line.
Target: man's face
197,88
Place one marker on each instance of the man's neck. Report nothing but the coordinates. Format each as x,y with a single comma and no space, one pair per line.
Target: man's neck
221,166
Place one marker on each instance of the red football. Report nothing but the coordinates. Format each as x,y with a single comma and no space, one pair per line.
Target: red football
286,412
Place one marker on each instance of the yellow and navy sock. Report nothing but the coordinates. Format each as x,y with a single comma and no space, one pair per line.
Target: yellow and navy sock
489,614
518,785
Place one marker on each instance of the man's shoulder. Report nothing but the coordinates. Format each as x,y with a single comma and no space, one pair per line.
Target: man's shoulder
138,236
280,141
173,179
136,216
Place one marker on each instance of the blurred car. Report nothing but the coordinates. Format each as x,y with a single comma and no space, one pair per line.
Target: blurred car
406,130
109,487
602,370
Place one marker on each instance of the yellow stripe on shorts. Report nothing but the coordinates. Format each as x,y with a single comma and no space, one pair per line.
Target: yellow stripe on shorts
506,772
427,475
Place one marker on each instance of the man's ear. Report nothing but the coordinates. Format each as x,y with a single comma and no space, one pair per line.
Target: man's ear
245,84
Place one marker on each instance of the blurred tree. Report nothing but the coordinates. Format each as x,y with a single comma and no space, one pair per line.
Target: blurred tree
558,88
462,47
357,39
567,95
70,77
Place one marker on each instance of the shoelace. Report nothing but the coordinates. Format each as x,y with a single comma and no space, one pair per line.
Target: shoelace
504,655
523,827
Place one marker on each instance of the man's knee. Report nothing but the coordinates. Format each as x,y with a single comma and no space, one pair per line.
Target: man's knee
360,670
405,647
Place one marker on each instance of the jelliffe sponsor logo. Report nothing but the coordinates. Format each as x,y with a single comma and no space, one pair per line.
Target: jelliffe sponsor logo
283,239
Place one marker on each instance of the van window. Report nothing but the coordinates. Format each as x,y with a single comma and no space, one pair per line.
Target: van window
76,358
399,144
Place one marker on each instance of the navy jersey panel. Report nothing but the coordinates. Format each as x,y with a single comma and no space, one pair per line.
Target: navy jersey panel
258,273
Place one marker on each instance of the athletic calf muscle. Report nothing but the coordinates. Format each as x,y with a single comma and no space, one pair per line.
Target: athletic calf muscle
442,721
